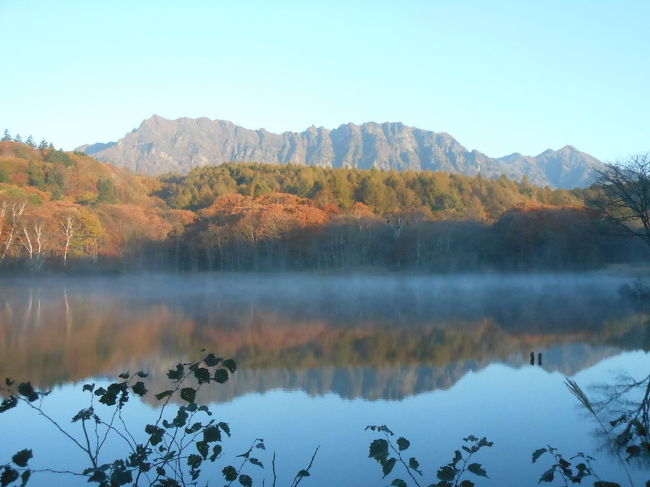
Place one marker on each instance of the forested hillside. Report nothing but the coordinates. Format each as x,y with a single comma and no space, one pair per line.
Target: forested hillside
440,195
58,206
66,210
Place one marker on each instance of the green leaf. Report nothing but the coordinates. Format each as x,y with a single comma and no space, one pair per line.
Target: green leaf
180,420
194,461
216,451
8,476
245,480
547,476
388,465
202,448
230,365
484,442
9,403
108,398
226,429
398,483
618,420
188,394
229,473
97,476
121,477
640,428
176,374
24,478
633,451
457,457
155,434
25,389
139,388
84,415
202,375
467,483
446,473
9,381
22,457
141,374
194,428
303,473
538,453
163,394
211,360
124,375
110,395
379,450
414,464
221,376
88,387
255,461
477,469
211,434
205,409
382,428
403,443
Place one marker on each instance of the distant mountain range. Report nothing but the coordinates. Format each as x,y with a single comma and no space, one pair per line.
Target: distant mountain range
160,145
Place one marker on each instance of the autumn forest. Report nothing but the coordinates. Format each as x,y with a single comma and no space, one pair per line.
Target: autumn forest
65,211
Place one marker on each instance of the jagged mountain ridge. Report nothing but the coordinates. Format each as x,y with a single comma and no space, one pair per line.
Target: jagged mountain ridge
160,145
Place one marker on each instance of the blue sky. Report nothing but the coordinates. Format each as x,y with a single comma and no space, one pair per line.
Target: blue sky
500,76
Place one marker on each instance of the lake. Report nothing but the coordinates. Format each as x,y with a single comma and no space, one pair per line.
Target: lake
436,358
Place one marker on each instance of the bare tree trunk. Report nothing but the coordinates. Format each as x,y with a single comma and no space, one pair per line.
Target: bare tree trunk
68,227
16,213
3,213
29,247
34,245
40,249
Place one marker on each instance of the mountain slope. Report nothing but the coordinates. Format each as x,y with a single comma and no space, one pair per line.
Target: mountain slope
160,145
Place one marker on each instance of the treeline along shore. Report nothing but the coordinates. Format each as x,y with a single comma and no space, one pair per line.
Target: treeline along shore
65,211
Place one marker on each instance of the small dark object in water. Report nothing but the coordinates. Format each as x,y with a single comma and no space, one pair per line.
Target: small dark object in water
539,358
532,358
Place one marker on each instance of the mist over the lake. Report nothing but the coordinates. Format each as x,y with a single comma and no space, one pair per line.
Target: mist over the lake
310,324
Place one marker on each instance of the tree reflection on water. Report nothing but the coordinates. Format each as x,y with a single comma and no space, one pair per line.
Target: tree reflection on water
625,405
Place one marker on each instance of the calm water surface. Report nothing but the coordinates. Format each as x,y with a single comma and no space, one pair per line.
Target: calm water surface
320,357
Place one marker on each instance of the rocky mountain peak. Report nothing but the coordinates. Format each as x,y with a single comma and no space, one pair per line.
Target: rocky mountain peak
161,145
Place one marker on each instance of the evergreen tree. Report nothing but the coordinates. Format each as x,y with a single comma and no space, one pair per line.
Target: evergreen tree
58,156
51,146
107,191
36,175
30,141
57,194
58,179
43,145
18,138
6,136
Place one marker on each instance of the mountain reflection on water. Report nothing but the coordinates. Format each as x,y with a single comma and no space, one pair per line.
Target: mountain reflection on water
374,337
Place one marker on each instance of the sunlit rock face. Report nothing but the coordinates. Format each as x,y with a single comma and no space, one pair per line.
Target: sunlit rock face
160,145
